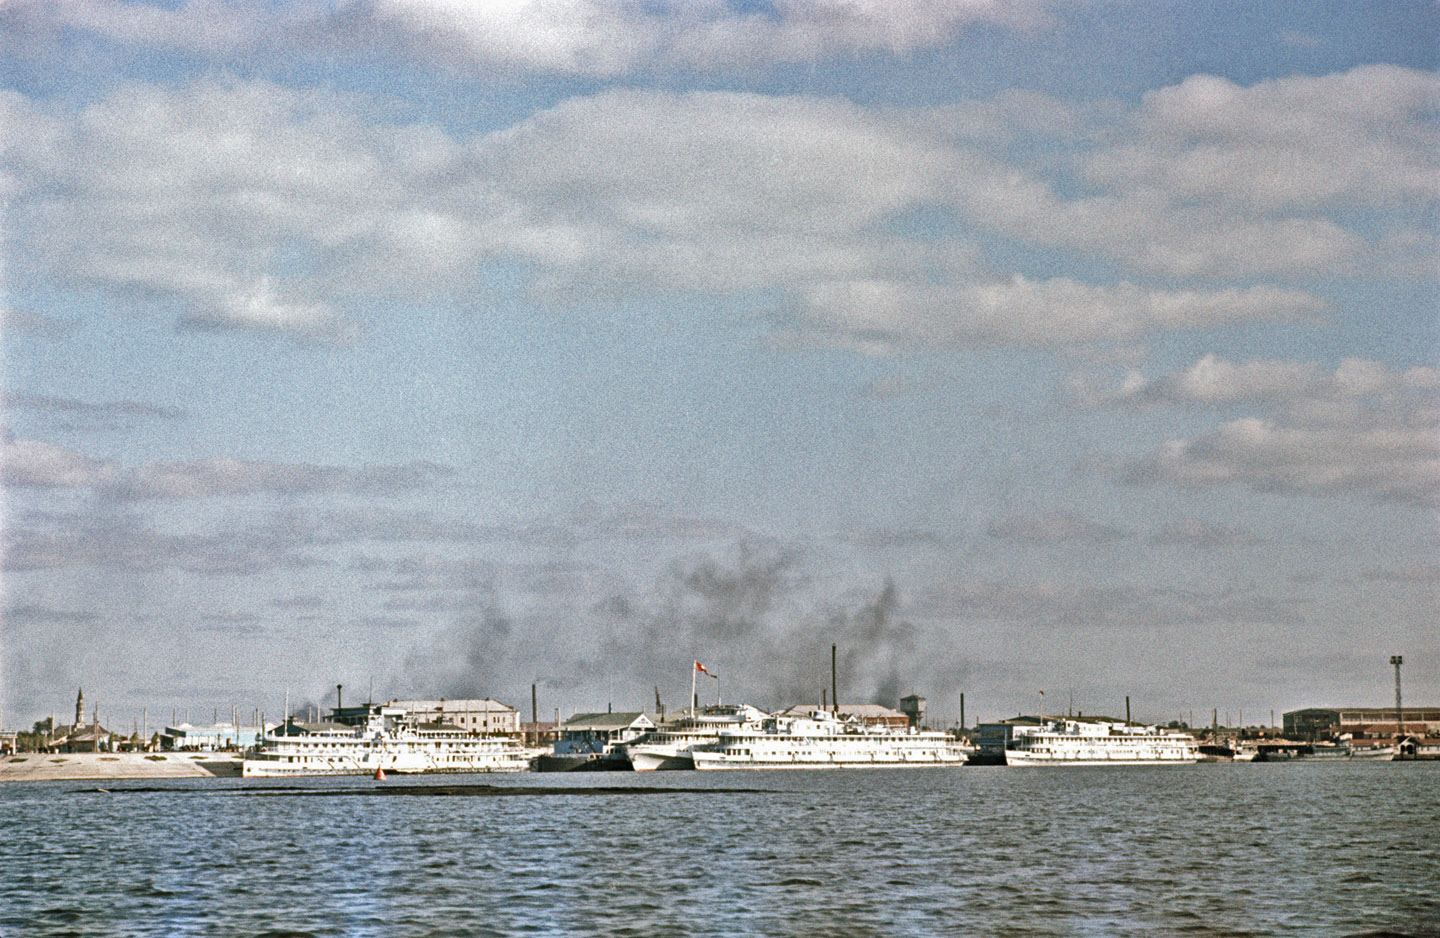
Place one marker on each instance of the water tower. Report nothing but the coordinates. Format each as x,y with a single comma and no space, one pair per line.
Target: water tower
914,708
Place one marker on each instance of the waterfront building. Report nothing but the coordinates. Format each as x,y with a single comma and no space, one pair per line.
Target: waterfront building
1359,722
543,733
590,732
476,716
864,714
219,736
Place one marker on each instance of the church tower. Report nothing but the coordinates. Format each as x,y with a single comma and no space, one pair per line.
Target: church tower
80,708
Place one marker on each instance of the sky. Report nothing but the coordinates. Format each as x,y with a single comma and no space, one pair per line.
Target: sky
1045,353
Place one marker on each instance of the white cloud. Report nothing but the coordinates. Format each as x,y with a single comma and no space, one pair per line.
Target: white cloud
36,464
1213,380
1358,138
32,463
590,37
247,205
1352,450
1046,312
565,37
259,307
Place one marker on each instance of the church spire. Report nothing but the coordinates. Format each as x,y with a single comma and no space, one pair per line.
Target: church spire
80,708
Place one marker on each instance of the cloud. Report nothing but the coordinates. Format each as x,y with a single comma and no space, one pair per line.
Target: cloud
377,523
245,205
305,601
36,464
589,37
14,321
30,613
1344,451
1192,532
896,539
1250,170
32,463
1212,380
258,306
220,30
84,416
1052,528
223,477
428,574
641,521
1053,604
558,37
1421,573
1040,313
130,544
1355,139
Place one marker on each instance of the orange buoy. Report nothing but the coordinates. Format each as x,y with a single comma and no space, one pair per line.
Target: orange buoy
380,775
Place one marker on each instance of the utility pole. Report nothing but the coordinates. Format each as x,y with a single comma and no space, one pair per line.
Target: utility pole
1397,660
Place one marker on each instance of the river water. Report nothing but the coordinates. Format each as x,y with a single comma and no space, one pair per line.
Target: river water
1287,849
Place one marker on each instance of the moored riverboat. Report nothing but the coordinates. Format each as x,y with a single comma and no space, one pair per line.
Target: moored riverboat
821,740
669,746
1076,741
383,740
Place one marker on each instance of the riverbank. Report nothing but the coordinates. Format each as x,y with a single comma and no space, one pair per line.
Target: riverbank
44,767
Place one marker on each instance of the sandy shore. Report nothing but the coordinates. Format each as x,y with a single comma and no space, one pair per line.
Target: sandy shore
38,767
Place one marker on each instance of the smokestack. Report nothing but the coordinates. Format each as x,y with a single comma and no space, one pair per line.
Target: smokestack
1397,660
962,711
337,697
534,708
1127,709
834,687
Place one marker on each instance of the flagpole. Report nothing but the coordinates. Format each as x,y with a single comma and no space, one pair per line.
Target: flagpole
694,668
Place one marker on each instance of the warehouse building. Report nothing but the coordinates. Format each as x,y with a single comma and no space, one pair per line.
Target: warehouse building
475,716
1360,722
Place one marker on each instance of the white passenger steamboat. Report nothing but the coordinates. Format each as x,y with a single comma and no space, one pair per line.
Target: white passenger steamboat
669,746
822,740
1086,741
380,739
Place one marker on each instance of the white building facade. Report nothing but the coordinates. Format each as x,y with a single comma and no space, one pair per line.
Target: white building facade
476,716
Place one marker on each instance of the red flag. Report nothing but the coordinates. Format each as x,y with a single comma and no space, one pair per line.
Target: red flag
701,668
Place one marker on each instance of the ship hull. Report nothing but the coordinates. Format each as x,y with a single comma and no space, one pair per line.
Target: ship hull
652,761
704,764
588,762
1020,757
